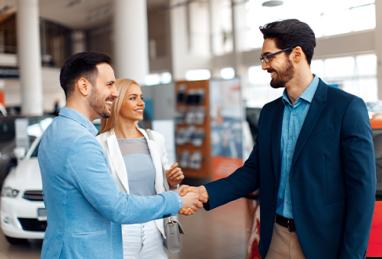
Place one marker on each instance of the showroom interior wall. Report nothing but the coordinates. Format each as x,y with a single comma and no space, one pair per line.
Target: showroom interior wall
183,35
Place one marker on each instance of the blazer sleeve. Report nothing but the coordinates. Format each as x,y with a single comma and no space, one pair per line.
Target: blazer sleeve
93,180
360,178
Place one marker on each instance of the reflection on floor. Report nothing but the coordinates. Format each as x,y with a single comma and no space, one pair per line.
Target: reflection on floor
30,250
218,234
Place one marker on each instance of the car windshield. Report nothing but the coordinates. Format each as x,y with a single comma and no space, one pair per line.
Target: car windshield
377,138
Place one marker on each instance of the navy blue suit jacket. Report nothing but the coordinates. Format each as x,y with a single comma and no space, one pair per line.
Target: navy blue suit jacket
333,176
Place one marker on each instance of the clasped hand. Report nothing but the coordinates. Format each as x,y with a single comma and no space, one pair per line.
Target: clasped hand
193,198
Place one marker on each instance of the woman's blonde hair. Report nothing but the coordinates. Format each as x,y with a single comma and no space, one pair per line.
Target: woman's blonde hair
122,86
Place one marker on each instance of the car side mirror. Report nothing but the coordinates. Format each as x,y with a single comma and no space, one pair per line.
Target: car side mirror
19,152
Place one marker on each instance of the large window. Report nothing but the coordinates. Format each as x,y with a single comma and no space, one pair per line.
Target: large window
8,41
56,43
258,91
326,17
55,40
353,74
221,26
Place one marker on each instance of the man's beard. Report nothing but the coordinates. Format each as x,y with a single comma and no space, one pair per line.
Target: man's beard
105,115
282,77
99,105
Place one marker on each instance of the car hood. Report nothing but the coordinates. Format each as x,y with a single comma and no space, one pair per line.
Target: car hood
26,176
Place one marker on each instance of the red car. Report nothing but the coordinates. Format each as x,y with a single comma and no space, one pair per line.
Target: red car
374,249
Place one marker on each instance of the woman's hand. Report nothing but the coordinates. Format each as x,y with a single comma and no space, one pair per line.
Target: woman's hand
174,176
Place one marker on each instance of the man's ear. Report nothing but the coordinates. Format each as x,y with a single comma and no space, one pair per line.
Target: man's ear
298,54
83,85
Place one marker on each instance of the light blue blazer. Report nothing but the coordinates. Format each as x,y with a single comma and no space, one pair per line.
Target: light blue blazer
81,197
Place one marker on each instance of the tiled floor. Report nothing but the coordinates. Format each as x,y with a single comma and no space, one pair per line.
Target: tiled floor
28,251
218,234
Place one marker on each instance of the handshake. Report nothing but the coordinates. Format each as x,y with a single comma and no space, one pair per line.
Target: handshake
192,198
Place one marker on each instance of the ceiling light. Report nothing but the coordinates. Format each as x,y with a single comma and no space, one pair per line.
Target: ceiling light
272,3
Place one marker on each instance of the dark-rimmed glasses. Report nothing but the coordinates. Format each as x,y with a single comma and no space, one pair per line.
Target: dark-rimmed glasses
266,58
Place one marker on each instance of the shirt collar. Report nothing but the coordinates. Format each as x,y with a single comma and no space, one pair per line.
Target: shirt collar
308,93
78,117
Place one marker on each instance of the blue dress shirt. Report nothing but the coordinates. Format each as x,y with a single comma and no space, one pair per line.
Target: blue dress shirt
293,119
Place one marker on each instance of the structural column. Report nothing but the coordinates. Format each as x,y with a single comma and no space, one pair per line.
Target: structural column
29,57
378,45
131,58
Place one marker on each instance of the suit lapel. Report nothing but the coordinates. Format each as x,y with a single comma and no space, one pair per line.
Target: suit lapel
314,113
276,126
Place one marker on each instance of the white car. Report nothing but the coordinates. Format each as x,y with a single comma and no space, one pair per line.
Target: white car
23,213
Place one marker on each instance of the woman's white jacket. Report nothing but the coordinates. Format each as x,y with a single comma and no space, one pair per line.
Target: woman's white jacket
157,149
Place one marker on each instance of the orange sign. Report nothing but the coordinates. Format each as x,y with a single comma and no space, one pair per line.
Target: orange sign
2,99
376,122
224,166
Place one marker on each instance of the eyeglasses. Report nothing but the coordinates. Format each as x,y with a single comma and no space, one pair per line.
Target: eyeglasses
266,58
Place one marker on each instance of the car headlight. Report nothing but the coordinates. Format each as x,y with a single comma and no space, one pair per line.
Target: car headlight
9,192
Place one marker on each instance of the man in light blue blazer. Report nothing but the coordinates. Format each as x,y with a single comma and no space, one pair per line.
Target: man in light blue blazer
79,193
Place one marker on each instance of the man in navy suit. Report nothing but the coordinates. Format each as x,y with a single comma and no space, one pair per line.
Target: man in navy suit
313,160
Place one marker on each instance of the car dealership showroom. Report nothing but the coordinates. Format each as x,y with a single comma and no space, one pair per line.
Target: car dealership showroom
182,129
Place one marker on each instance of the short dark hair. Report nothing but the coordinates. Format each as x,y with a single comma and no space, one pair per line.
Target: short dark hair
82,64
291,33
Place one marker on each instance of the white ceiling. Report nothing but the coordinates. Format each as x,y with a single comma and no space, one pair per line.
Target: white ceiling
77,14
83,14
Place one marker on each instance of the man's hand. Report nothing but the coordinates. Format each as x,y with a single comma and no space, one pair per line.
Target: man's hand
174,175
190,203
200,190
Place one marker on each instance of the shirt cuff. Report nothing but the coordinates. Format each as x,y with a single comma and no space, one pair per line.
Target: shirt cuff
180,202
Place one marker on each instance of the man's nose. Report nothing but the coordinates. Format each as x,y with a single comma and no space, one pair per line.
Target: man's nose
114,91
264,65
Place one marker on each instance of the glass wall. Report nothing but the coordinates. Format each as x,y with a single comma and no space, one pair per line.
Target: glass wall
55,40
8,43
222,41
56,43
354,74
326,17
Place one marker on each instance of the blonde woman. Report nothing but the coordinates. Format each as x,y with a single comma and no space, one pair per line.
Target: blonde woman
136,163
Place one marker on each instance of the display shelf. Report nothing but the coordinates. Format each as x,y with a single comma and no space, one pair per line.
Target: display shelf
192,128
208,127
